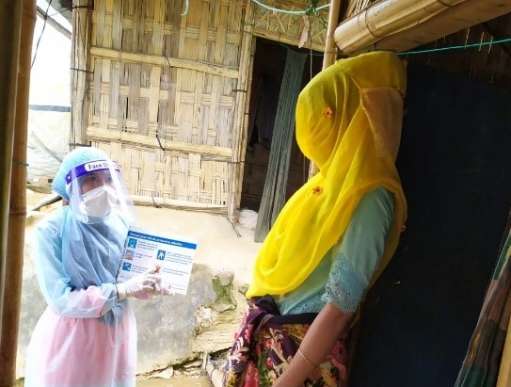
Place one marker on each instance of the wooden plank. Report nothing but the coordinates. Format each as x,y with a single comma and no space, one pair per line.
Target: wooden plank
219,153
228,72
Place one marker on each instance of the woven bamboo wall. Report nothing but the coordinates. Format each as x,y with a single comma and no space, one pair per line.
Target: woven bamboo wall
168,93
165,92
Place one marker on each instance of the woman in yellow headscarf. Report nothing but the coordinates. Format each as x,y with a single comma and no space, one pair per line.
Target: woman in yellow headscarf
334,236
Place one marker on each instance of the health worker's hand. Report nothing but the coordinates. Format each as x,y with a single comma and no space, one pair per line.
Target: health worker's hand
142,286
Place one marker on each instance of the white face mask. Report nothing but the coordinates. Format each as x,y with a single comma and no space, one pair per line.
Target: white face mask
98,202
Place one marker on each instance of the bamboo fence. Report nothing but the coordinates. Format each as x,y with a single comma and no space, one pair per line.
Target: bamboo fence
166,94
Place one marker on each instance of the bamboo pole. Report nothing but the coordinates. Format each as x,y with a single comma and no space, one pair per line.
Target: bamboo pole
17,215
404,24
80,77
330,51
158,60
330,48
242,102
108,135
10,31
504,378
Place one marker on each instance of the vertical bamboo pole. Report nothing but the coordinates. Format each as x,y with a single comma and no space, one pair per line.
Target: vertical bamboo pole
241,118
504,378
10,31
80,70
330,51
13,263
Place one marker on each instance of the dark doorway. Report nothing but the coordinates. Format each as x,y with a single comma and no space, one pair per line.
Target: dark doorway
454,163
268,70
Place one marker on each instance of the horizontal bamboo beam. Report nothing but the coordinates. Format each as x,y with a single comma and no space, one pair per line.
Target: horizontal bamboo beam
218,153
121,56
282,38
178,204
405,24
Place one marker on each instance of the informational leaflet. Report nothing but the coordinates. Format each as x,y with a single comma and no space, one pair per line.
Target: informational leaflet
174,256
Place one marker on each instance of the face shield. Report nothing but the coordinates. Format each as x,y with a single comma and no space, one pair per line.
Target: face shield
96,191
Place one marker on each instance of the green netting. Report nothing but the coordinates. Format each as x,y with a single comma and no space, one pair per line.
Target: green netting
274,193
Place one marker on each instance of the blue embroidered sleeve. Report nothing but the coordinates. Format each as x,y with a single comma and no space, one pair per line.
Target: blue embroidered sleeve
356,258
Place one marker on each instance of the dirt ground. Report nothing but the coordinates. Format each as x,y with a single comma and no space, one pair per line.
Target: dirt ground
176,381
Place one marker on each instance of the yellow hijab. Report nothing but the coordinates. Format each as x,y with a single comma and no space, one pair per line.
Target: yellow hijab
348,122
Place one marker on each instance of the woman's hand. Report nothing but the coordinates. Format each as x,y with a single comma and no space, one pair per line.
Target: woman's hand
329,325
142,286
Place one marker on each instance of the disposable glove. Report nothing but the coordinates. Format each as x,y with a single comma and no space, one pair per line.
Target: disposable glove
142,286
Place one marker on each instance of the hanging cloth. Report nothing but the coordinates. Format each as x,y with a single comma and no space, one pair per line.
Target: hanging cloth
348,122
483,359
274,192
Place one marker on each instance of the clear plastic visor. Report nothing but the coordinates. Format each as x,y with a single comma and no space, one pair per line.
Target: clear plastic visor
97,191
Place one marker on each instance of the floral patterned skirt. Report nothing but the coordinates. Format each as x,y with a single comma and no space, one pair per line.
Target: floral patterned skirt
266,343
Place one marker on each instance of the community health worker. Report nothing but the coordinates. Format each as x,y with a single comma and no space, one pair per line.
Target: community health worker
87,336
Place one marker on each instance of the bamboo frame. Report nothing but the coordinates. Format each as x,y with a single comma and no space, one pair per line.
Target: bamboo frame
242,111
404,24
121,56
178,204
287,28
80,64
10,29
17,20
218,153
